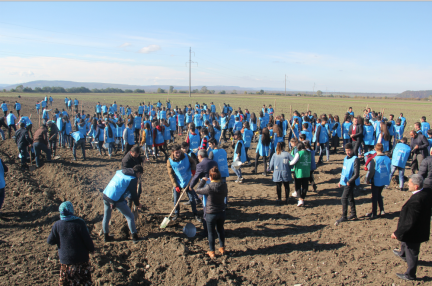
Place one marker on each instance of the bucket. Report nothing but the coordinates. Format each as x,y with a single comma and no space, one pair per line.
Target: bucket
237,164
189,229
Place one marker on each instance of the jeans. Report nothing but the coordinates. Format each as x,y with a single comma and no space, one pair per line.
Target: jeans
216,220
348,197
100,148
377,199
410,251
401,174
346,141
124,210
120,144
53,146
190,195
2,196
24,154
146,150
38,147
238,171
77,144
2,134
110,147
321,150
256,163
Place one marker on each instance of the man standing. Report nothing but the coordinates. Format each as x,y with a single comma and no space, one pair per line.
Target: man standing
23,140
181,168
322,139
414,225
350,178
239,155
356,134
123,184
18,107
51,100
425,171
79,141
400,157
11,120
419,145
4,107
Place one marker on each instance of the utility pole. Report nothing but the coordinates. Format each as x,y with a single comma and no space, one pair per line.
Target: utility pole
190,69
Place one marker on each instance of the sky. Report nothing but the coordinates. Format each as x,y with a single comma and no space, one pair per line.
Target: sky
327,46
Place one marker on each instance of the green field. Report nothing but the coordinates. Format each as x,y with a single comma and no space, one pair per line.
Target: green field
412,110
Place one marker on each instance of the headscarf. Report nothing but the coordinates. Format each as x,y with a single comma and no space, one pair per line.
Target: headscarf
67,212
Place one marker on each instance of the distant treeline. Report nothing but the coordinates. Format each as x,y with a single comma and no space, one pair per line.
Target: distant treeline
58,89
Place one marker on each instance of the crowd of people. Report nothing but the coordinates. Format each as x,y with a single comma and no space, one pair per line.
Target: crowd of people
193,141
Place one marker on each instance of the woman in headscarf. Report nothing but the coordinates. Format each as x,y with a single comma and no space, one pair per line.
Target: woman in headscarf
74,244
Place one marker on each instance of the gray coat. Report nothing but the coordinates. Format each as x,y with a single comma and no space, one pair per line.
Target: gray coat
279,164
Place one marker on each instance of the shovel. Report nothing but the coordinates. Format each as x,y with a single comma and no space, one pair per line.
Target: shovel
166,220
31,168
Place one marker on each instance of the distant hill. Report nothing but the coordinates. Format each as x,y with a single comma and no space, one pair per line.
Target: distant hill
415,94
148,88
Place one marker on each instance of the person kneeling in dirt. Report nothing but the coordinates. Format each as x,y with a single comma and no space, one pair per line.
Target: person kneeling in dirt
214,199
74,244
41,144
123,184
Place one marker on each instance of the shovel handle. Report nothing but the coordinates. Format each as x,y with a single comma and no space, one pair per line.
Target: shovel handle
178,201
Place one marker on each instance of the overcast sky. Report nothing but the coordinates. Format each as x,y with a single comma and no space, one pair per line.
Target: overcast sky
351,46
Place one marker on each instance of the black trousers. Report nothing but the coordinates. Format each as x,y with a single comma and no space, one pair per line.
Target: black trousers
127,148
137,135
279,190
377,199
18,112
10,129
356,144
224,135
410,251
53,146
257,156
301,186
216,221
348,198
160,149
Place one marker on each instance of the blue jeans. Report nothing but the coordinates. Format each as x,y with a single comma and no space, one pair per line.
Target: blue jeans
110,147
124,210
215,220
238,171
401,174
77,144
38,147
24,155
2,134
321,148
190,195
99,146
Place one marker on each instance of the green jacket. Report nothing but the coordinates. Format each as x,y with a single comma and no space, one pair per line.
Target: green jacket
303,166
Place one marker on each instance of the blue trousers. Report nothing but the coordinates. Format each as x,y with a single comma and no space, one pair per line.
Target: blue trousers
124,209
238,171
216,220
191,197
38,147
401,174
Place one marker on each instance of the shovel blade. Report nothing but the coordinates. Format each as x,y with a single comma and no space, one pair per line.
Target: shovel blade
164,223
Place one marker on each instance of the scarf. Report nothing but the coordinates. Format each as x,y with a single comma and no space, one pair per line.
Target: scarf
67,212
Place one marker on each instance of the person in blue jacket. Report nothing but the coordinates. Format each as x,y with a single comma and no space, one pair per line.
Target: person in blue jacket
263,149
123,184
79,141
400,156
322,139
247,139
239,156
350,178
279,164
379,177
109,136
18,107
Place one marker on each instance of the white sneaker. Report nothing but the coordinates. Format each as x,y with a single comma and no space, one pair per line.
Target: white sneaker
294,194
236,181
241,180
300,203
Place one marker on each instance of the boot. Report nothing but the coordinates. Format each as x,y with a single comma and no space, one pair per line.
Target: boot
222,250
107,238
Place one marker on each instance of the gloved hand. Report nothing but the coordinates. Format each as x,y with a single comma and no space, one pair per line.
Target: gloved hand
177,189
193,172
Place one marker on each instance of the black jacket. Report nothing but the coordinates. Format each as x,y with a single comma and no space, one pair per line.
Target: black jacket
425,170
73,241
22,138
358,136
216,193
130,161
415,217
423,144
202,170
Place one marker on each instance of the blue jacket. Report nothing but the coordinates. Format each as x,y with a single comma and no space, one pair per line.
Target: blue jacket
279,164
